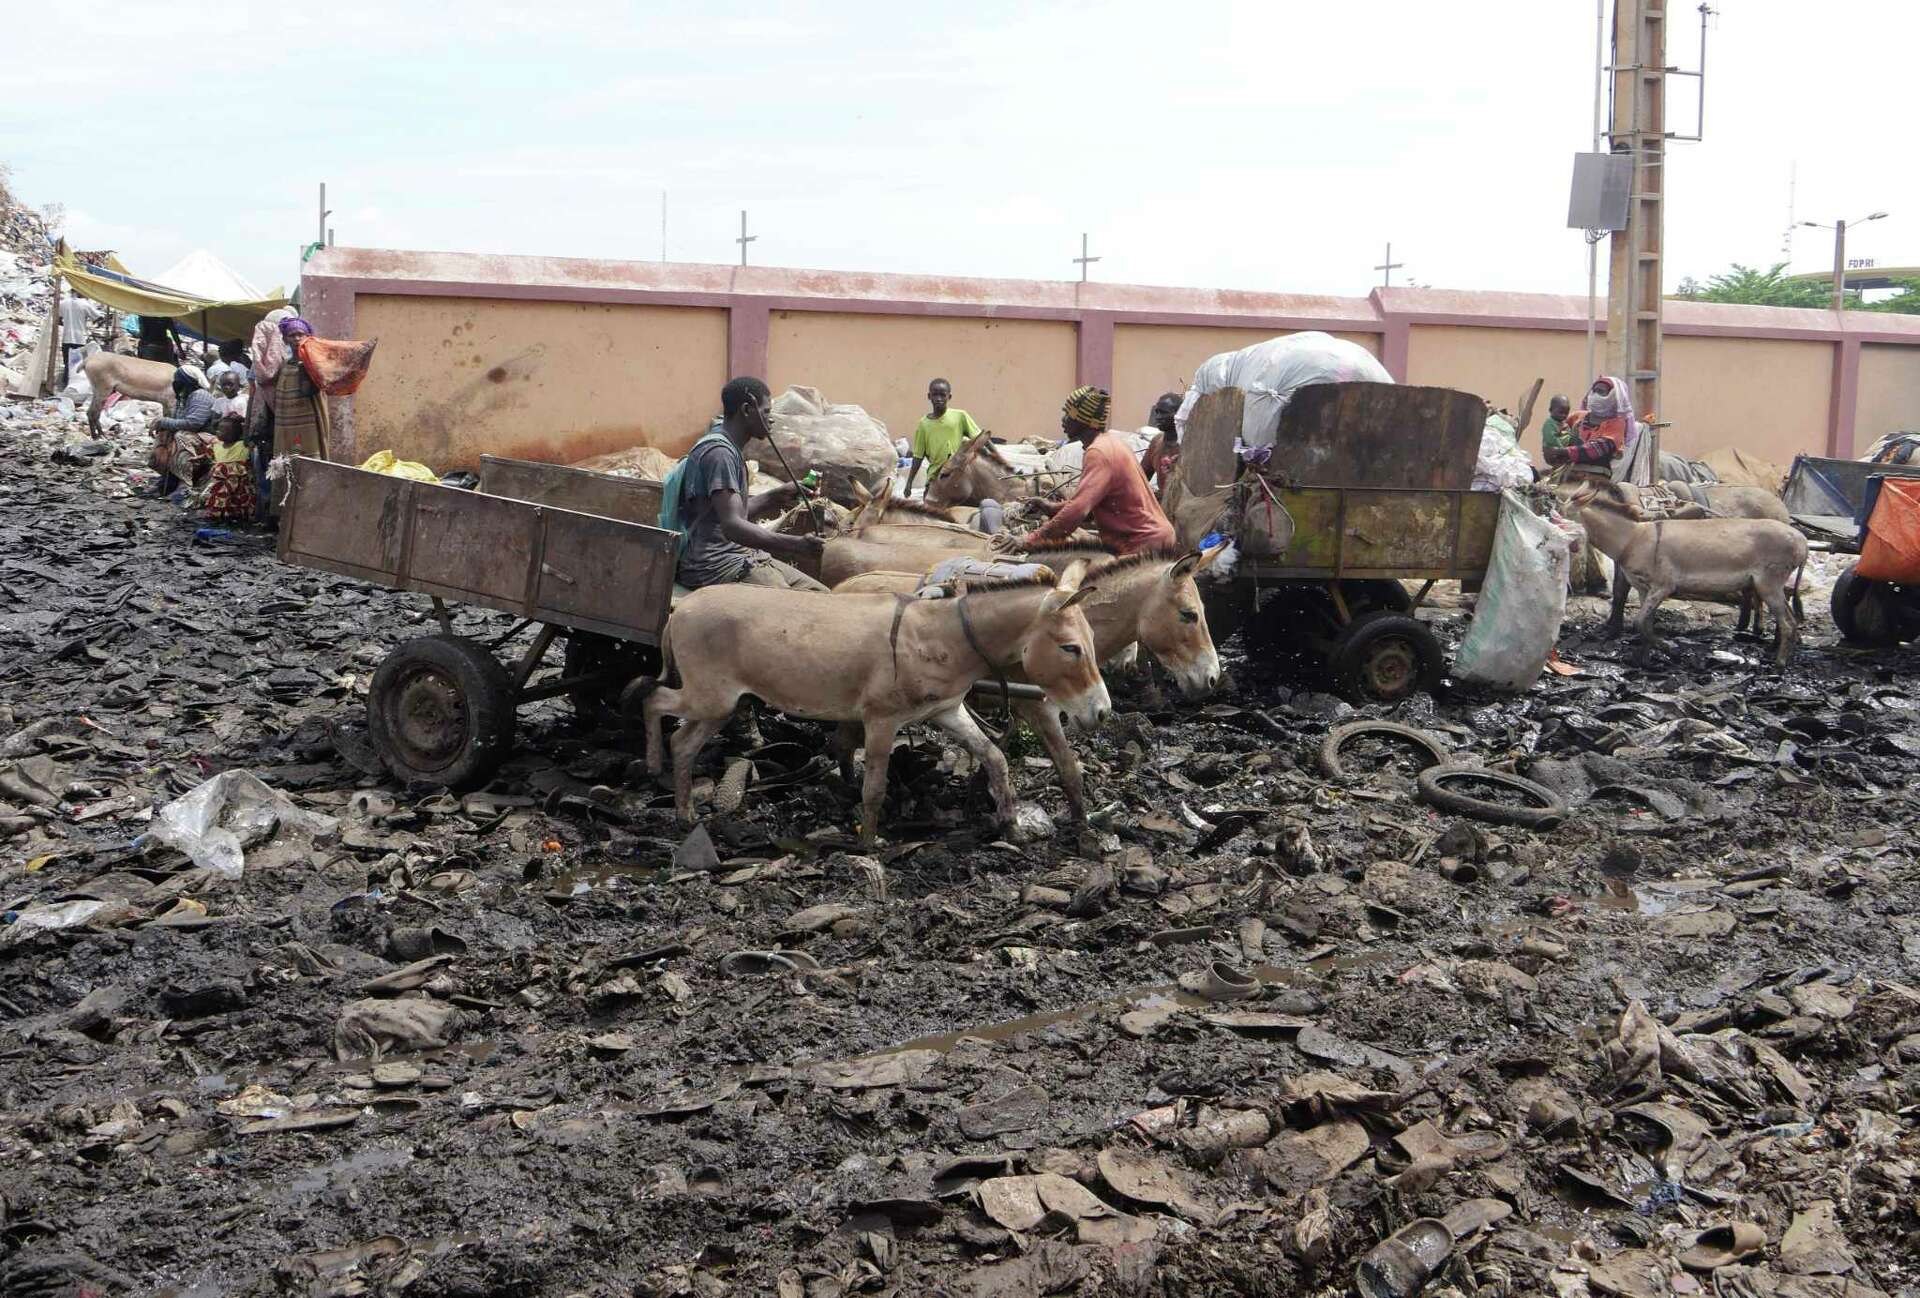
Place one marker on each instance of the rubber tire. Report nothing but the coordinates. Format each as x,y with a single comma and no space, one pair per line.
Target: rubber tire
1850,591
1330,746
1364,636
482,691
1434,791
587,651
1375,595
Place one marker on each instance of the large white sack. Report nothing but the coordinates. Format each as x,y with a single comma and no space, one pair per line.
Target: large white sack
1271,372
1516,620
843,442
1501,463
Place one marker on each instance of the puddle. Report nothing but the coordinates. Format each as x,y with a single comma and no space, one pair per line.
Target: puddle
584,879
340,1171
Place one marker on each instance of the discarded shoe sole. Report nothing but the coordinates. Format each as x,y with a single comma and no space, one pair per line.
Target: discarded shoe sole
758,964
1719,1246
1219,981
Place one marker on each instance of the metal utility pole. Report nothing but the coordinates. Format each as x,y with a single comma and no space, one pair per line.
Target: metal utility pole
1593,236
1387,266
1839,229
325,212
744,238
1083,259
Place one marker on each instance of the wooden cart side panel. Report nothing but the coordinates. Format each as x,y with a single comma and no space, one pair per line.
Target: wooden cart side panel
1380,435
552,565
350,519
1406,529
1479,512
1373,533
632,500
598,567
473,548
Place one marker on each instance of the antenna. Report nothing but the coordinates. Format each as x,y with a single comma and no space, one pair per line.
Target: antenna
1793,183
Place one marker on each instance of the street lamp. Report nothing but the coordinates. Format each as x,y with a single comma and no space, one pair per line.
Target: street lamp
1840,254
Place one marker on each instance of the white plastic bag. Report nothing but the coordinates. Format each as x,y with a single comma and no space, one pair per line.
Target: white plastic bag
1501,464
214,823
1271,372
1517,617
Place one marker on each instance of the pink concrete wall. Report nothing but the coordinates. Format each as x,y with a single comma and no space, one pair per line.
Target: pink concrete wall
1889,393
1135,339
1010,375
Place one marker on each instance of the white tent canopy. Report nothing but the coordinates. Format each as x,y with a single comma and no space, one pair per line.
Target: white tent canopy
201,274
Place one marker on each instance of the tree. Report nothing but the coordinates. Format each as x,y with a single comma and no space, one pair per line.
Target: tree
1769,287
1905,301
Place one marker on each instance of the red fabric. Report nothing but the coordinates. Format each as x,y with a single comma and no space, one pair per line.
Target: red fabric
335,365
1113,492
1597,445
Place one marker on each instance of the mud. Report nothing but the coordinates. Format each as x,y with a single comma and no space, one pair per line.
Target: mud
617,1115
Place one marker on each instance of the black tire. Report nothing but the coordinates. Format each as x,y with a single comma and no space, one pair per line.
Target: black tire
441,711
1860,611
1385,657
1337,738
1375,596
1433,788
587,653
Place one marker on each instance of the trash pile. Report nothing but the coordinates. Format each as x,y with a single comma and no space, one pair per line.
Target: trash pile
1601,988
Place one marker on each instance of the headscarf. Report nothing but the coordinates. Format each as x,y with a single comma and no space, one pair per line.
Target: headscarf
1088,406
294,325
1617,403
269,350
183,381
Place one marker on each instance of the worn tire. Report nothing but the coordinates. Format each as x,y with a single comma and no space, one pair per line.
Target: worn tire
1385,657
1433,789
440,711
1373,595
599,705
1337,737
1859,611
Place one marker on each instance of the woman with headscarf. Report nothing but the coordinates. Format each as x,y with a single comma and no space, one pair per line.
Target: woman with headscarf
1600,433
182,430
1113,491
299,417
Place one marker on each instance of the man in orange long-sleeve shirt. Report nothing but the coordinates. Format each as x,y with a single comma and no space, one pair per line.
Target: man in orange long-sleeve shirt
1113,490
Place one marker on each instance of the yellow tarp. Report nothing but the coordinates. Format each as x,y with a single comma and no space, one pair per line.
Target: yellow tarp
222,319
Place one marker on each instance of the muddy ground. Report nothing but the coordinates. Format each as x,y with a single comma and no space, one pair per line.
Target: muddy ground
1690,1003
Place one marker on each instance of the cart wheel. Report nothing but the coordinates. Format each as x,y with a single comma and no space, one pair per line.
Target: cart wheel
1385,657
1376,595
440,711
588,653
1860,610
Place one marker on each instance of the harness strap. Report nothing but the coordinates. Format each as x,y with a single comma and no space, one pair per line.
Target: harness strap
893,633
973,642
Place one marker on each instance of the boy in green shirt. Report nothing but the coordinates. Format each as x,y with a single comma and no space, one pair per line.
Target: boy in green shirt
939,434
1553,433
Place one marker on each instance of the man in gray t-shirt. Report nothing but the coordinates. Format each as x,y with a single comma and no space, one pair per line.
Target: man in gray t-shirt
723,543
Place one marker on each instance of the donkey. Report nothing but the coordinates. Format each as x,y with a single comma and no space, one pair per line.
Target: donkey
1150,600
882,660
1724,559
1707,500
980,472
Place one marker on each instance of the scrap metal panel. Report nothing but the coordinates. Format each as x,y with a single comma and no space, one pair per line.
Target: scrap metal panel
633,500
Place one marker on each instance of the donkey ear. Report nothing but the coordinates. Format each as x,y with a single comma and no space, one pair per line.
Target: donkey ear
1186,565
861,493
1071,578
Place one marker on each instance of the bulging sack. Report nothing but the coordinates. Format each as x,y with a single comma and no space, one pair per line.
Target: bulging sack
1517,618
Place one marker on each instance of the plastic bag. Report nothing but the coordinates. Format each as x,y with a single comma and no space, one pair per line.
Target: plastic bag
1517,618
394,467
215,823
1272,371
1501,464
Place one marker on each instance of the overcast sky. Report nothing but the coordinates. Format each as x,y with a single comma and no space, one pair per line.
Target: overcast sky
1260,145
